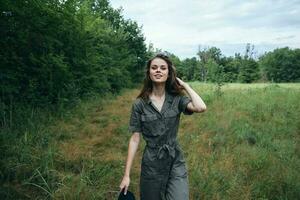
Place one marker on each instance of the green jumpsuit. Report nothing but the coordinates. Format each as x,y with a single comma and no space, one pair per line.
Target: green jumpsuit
163,168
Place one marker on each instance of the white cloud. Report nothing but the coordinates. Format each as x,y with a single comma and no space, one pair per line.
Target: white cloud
180,26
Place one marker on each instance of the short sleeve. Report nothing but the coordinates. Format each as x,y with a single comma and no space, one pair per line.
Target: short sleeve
183,102
135,119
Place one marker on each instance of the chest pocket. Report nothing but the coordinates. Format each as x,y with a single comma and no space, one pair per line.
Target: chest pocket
172,117
150,124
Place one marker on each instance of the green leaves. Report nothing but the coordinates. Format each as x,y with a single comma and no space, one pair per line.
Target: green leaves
48,46
281,65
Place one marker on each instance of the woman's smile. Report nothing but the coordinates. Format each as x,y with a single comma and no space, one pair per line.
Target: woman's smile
158,76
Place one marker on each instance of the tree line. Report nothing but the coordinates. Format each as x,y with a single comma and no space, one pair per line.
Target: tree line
279,65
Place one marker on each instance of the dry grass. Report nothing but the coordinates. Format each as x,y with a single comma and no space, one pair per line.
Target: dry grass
101,136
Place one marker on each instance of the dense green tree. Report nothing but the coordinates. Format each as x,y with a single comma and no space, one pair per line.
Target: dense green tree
215,72
210,57
210,53
231,68
249,69
189,68
281,65
53,51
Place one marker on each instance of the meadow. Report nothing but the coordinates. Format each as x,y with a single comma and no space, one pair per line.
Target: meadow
245,146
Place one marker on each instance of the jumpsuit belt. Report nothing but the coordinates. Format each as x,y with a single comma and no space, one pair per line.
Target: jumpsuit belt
164,149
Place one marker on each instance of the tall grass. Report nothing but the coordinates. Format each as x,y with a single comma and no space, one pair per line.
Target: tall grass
246,146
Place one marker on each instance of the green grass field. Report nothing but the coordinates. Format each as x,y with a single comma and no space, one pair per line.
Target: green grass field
245,146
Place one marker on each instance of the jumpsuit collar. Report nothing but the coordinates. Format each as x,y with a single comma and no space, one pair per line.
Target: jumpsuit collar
168,98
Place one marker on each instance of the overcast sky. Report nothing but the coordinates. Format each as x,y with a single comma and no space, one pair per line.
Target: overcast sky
180,26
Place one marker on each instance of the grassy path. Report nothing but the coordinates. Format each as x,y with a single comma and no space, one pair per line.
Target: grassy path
94,148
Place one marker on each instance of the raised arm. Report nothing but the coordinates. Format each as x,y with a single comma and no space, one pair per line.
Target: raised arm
197,104
132,148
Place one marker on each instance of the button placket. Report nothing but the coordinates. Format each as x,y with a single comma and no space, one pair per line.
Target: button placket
162,124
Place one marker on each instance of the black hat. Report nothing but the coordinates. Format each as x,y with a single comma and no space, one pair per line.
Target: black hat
129,196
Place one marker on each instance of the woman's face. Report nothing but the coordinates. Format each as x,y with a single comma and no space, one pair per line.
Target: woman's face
158,70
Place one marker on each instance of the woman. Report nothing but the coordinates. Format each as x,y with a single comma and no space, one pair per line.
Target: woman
155,114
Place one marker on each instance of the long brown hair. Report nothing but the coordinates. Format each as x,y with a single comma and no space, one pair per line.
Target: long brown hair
172,86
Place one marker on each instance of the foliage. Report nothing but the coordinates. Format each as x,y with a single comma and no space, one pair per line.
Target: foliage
189,68
281,65
248,71
56,51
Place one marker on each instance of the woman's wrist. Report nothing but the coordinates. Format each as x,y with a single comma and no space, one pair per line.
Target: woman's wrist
185,85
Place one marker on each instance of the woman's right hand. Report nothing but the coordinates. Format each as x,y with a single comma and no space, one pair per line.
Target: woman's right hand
125,184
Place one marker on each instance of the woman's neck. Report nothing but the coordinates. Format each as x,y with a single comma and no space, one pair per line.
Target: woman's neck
158,90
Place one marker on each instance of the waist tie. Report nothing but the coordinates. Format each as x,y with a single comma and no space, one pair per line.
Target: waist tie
164,149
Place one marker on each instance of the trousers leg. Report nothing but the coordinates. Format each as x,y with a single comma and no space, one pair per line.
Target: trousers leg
150,189
177,189
154,177
177,185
